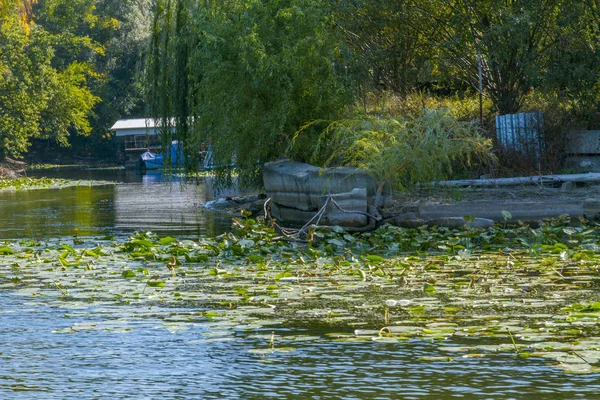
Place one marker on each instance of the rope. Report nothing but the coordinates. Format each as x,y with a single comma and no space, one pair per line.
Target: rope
376,218
296,233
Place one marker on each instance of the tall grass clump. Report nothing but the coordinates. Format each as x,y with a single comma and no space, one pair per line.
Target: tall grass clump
400,151
462,106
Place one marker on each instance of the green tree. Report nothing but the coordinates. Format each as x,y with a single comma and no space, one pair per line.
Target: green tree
243,75
515,42
385,46
40,97
572,75
124,33
112,36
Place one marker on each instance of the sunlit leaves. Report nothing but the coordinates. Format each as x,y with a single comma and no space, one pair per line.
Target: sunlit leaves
399,152
40,96
128,274
5,250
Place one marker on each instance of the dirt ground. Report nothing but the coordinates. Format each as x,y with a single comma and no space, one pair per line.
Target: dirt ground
578,192
11,168
525,202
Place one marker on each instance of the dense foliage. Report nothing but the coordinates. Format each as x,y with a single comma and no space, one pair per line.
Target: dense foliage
545,45
401,152
40,96
67,67
243,76
246,75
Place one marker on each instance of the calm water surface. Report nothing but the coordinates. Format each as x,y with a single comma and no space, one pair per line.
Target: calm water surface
138,356
150,362
137,202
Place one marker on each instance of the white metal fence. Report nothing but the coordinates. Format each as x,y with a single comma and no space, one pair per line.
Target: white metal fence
521,132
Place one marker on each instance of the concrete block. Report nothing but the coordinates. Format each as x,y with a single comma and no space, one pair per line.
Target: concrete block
295,177
458,222
588,163
294,217
567,187
583,142
298,191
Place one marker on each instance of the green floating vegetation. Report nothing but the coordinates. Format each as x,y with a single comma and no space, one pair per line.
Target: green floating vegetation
521,292
28,183
195,174
44,167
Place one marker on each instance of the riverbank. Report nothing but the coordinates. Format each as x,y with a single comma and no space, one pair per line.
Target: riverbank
14,176
442,206
505,205
454,207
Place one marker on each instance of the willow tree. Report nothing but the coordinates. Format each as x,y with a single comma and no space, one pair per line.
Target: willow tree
242,76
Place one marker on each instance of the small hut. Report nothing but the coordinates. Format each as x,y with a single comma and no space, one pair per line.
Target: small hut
135,136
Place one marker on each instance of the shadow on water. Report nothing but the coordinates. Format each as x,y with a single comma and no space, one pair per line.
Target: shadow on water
152,201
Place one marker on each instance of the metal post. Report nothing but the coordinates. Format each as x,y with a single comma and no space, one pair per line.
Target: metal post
480,73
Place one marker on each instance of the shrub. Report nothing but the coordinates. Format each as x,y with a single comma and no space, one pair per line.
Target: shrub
403,151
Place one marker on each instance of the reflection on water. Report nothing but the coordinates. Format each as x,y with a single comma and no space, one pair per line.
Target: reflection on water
148,360
136,202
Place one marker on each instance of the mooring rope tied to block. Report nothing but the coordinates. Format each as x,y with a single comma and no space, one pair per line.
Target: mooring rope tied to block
296,233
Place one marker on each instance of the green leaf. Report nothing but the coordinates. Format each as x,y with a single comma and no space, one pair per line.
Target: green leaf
89,253
196,257
429,289
68,248
167,240
254,258
64,262
5,250
374,259
128,274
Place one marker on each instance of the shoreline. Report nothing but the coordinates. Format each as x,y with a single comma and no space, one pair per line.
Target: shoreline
481,207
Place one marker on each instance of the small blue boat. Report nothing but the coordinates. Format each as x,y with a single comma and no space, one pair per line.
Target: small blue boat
150,161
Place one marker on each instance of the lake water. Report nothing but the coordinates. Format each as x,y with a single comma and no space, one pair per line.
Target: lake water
150,362
142,352
137,202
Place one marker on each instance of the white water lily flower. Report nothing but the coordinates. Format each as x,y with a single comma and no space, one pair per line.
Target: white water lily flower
394,303
245,243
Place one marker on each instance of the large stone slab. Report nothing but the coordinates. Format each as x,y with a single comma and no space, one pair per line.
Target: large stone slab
583,163
583,151
583,143
285,176
347,210
298,191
